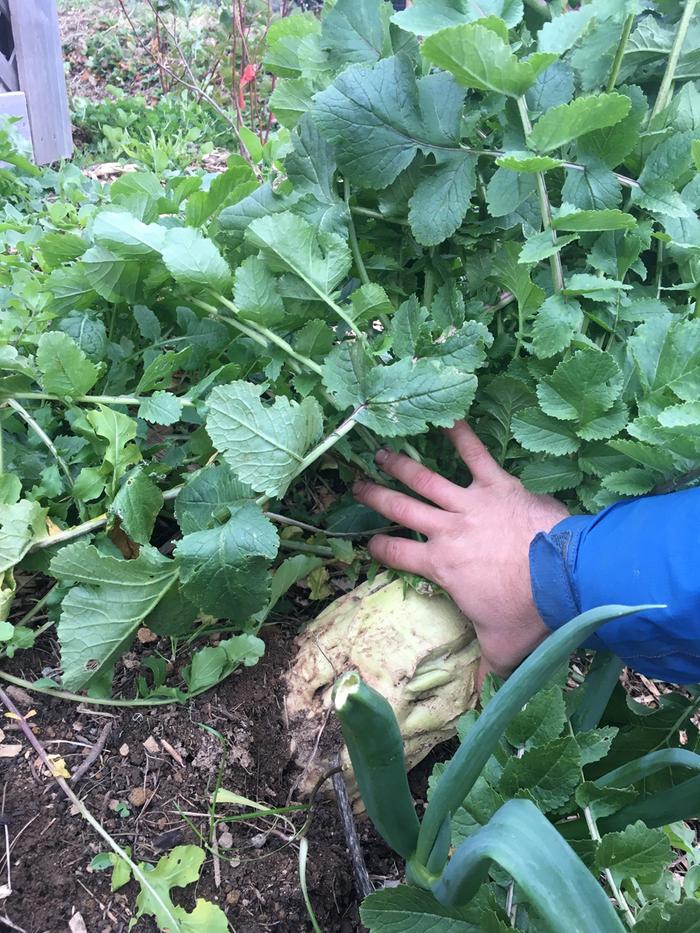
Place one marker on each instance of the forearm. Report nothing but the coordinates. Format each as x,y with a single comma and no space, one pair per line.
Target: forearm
636,552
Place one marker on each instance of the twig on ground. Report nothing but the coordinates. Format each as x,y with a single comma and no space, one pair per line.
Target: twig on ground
94,754
362,881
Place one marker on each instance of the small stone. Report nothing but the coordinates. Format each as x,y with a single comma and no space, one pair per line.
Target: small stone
233,897
259,840
225,840
124,750
138,796
152,745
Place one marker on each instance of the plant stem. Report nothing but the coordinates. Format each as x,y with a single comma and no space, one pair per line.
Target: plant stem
376,215
36,608
232,322
303,548
43,437
620,51
274,338
94,399
615,891
545,206
354,245
665,89
429,281
137,872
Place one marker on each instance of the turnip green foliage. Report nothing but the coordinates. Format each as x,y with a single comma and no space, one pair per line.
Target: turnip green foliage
468,208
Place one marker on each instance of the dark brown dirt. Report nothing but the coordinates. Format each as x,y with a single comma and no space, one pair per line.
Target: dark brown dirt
259,885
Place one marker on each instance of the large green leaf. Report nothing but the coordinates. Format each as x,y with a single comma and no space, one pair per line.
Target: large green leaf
581,388
101,613
200,502
383,111
398,910
224,569
402,398
263,444
667,354
549,773
21,523
136,506
66,370
194,261
636,852
424,17
290,244
567,122
558,319
126,236
355,31
479,58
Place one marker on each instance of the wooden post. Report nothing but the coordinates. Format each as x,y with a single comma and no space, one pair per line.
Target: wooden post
15,105
41,78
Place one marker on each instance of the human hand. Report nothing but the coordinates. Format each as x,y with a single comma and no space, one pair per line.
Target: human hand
478,543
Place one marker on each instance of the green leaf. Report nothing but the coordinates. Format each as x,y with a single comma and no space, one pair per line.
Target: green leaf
160,408
465,349
291,99
581,388
594,188
541,720
263,444
136,506
584,221
126,236
205,494
66,370
355,31
514,276
194,261
100,615
89,484
180,867
402,398
210,665
312,167
21,523
557,321
597,288
667,354
549,773
369,302
384,109
594,744
113,278
397,910
441,199
87,331
479,58
158,373
119,431
604,800
542,245
424,17
523,161
539,433
612,144
255,293
507,190
224,570
567,122
407,327
562,32
551,475
663,917
290,244
636,852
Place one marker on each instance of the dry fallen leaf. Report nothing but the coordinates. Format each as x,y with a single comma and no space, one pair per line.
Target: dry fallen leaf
58,766
10,751
146,636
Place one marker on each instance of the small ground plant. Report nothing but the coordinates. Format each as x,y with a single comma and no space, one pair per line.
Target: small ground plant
469,207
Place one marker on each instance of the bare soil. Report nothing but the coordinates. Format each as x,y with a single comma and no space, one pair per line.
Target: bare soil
51,849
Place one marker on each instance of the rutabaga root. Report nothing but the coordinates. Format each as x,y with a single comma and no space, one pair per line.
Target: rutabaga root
417,650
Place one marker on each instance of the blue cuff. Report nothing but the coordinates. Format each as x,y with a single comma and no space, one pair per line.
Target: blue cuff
552,559
637,552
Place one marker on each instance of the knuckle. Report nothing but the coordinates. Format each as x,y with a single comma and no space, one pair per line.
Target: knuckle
393,550
402,511
424,482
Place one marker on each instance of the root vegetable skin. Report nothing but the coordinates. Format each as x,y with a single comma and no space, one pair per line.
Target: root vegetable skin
418,651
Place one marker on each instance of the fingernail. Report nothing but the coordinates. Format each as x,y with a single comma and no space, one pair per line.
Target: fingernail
382,455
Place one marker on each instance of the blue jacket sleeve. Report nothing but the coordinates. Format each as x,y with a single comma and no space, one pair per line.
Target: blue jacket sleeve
636,552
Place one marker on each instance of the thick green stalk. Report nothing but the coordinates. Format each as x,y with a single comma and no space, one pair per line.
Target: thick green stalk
664,95
43,437
272,337
620,52
354,245
93,399
471,756
545,206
